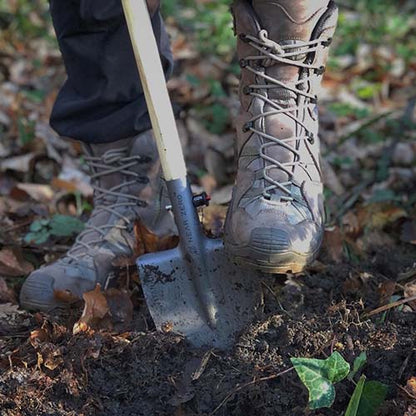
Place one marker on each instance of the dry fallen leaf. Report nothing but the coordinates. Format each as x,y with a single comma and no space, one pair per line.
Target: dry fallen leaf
108,310
17,163
208,182
40,193
80,327
72,185
379,215
331,179
167,327
334,244
12,263
38,336
7,295
96,304
411,411
213,218
49,355
351,224
65,296
411,387
7,309
95,310
386,291
121,308
148,242
353,284
43,341
409,292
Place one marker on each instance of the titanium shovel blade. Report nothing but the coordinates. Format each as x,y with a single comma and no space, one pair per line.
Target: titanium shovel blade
194,289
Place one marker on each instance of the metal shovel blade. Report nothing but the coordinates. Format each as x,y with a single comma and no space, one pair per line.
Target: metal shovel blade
194,289
174,302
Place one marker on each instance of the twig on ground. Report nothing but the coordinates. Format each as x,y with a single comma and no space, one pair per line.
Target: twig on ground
406,391
357,127
404,365
347,203
389,306
243,386
18,226
407,275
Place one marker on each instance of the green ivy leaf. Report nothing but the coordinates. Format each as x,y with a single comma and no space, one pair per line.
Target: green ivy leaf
59,226
65,225
319,376
359,363
374,394
354,404
36,226
367,398
38,237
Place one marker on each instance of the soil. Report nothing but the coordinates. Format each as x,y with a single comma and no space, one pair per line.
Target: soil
53,372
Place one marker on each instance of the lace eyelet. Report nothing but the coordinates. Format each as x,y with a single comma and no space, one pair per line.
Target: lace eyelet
243,37
143,180
243,63
320,70
145,159
313,100
247,127
247,90
311,139
327,42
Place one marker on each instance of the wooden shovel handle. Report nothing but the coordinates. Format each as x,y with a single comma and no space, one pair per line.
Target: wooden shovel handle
154,85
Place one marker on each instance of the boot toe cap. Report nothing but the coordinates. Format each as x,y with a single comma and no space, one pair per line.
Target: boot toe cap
270,240
303,239
279,249
37,292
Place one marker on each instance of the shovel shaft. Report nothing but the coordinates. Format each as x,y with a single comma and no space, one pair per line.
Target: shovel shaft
192,246
155,90
192,241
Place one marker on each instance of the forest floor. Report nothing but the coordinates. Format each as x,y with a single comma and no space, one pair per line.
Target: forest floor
357,297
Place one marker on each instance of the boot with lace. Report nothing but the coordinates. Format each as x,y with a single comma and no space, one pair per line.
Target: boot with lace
127,187
275,220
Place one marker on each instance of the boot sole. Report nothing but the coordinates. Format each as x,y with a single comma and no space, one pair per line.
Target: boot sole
272,263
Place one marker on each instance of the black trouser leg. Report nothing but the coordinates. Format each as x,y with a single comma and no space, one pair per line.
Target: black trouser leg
102,99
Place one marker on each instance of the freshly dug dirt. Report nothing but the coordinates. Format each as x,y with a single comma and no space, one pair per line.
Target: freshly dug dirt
54,372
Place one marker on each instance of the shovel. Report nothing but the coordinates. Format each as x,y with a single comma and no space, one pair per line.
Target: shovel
194,289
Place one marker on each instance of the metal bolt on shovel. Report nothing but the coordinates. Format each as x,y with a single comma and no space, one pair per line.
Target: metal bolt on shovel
194,289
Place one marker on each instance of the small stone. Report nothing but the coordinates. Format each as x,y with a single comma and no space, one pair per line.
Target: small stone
345,61
4,119
398,68
403,154
364,57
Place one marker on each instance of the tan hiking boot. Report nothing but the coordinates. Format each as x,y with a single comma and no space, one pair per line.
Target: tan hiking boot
275,220
127,186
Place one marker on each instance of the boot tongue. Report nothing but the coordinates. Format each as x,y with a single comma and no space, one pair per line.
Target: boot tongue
110,153
289,19
287,22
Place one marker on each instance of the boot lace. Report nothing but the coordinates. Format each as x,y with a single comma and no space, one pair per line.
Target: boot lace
109,200
270,53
